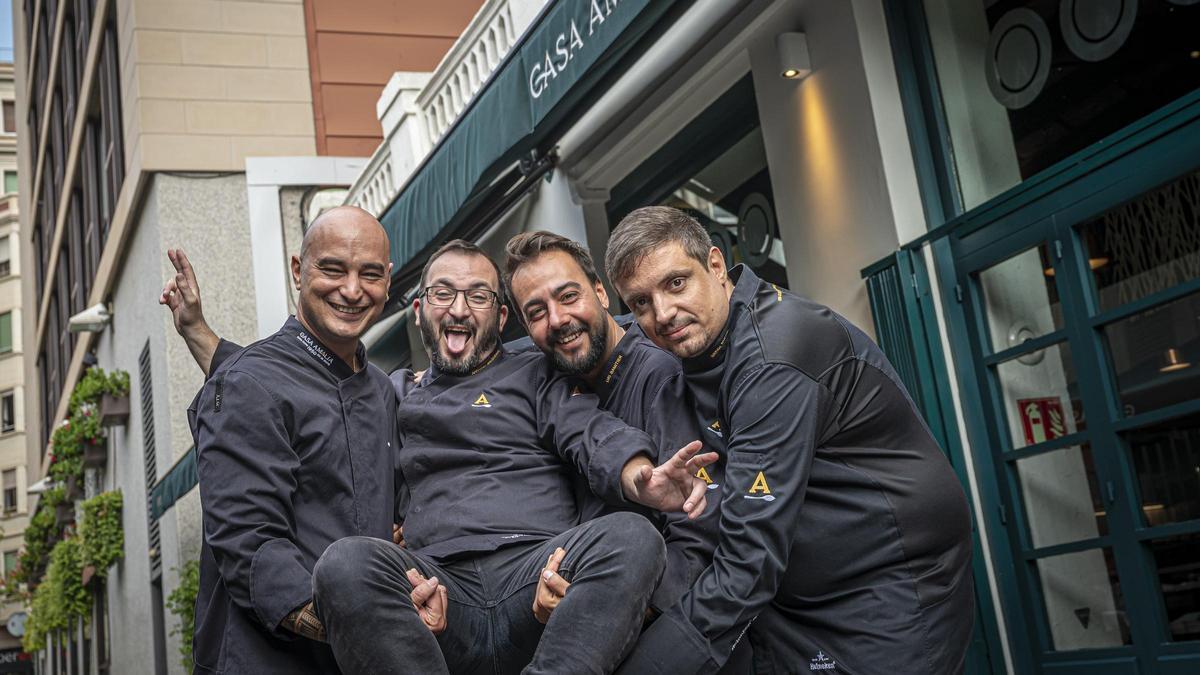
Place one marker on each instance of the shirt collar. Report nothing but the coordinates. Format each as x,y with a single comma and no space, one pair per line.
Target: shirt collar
618,362
322,355
433,372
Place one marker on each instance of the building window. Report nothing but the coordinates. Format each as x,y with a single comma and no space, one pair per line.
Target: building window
10,493
10,117
10,562
5,257
10,182
8,411
6,340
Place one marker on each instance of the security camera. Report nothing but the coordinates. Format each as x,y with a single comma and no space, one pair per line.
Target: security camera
91,320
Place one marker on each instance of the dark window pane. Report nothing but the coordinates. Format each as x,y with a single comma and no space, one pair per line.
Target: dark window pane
1178,562
1021,298
1156,355
1166,458
1147,245
10,117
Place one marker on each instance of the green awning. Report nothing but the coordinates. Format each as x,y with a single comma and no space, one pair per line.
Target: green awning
178,482
559,61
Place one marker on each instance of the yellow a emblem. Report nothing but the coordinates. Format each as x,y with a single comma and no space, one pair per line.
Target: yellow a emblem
702,474
576,391
481,402
760,485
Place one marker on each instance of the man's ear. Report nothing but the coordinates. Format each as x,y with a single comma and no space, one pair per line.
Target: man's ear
716,263
601,293
503,316
416,307
296,271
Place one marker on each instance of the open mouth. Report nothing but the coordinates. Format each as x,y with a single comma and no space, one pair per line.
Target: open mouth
347,309
570,339
457,338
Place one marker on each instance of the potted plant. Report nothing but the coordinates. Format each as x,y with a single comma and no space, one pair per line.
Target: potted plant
114,409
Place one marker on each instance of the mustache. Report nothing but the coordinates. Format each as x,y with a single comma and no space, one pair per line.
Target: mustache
449,322
661,330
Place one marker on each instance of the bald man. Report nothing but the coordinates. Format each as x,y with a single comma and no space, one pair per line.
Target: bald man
296,441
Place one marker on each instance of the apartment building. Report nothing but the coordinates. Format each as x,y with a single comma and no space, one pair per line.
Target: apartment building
139,123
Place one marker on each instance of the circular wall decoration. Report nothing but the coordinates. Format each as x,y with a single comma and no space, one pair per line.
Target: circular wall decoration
724,243
1018,58
756,223
1095,29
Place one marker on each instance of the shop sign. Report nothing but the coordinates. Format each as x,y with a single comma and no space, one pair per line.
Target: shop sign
584,30
1042,419
15,661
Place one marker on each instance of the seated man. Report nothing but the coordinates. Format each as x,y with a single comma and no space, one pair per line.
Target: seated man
489,439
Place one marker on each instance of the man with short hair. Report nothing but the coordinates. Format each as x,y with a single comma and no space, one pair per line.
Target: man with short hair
844,535
487,439
564,307
280,477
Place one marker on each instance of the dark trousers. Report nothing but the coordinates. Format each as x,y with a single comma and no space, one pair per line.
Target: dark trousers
613,563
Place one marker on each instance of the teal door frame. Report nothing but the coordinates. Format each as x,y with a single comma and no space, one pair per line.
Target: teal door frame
1047,208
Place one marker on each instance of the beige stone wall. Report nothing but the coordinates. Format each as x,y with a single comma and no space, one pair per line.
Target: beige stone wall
207,83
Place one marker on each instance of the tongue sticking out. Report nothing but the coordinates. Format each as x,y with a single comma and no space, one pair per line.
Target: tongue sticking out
456,342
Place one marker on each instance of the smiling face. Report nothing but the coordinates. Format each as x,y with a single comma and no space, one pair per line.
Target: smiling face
565,313
342,275
458,337
681,304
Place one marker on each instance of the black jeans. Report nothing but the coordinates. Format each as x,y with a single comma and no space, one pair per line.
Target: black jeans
613,563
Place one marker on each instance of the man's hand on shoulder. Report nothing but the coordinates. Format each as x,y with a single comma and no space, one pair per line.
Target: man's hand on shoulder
671,486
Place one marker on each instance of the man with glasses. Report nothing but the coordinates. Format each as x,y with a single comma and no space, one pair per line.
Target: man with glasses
490,440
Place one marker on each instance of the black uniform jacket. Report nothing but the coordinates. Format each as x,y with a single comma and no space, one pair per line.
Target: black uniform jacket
488,458
644,386
295,451
844,534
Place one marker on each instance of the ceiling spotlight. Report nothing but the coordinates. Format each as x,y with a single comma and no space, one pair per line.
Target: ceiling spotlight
794,63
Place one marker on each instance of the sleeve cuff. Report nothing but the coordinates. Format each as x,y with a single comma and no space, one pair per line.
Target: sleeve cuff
605,466
279,583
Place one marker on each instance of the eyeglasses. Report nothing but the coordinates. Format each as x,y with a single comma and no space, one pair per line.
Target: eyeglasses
444,296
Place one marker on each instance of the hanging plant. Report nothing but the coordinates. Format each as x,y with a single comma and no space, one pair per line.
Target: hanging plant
61,597
101,533
40,535
182,603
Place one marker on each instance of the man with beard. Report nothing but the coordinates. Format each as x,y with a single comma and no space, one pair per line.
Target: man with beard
280,477
487,441
844,534
563,306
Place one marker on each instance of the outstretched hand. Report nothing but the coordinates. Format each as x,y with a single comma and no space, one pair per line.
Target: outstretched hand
181,295
671,486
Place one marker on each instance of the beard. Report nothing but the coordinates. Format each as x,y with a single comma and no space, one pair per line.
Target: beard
597,337
485,340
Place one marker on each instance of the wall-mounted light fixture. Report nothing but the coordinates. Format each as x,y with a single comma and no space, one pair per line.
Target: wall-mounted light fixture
1172,361
794,63
94,319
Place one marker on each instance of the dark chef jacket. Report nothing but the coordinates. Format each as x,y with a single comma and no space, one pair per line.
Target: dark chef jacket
645,387
295,451
844,534
488,458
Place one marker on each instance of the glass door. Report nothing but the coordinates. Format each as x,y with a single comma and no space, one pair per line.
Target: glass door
1085,330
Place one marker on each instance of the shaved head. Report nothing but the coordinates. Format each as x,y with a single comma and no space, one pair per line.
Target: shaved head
336,218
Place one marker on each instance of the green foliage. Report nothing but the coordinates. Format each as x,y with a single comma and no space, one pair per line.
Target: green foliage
40,536
60,598
100,532
83,422
95,383
182,603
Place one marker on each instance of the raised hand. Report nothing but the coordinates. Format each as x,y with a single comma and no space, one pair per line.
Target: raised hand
181,295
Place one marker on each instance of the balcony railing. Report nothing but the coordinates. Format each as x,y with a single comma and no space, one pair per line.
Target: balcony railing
415,109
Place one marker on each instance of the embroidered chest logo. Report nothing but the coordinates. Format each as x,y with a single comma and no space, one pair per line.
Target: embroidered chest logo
481,402
760,486
821,662
702,474
715,427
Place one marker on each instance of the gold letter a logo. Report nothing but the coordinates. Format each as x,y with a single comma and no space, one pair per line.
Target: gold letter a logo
481,402
760,485
702,474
